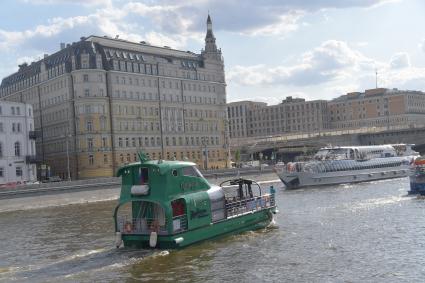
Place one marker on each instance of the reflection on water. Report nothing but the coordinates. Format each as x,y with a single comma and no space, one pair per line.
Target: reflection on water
362,232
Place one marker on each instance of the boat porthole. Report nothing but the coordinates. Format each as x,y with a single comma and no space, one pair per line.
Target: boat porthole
174,172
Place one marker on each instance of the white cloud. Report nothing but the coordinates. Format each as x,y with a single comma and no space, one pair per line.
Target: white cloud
75,2
400,60
330,61
285,24
336,67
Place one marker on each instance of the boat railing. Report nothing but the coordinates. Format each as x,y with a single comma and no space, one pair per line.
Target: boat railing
143,226
247,205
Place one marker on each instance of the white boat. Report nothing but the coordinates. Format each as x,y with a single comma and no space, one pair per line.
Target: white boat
349,164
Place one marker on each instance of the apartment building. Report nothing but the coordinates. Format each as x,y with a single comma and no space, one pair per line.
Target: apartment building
17,143
292,115
101,100
379,107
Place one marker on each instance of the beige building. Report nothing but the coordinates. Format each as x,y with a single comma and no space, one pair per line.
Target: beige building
105,99
378,107
293,115
238,114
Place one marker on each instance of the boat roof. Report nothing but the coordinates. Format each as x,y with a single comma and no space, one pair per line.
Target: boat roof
163,165
384,146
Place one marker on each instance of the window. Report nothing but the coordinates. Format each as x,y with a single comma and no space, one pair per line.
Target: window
86,78
17,149
91,159
105,158
144,175
1,172
89,126
1,127
104,142
1,150
13,110
102,123
90,143
86,92
18,171
18,110
191,171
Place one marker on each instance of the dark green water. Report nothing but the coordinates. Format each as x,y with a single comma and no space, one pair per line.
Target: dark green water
368,232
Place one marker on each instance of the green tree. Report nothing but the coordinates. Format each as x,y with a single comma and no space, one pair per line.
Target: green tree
237,156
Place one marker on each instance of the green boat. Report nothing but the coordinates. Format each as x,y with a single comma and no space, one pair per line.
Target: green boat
169,204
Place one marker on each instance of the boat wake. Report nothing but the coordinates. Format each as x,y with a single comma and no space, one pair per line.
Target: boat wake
79,264
22,204
376,203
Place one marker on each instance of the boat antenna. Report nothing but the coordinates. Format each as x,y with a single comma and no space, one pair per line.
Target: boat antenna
143,157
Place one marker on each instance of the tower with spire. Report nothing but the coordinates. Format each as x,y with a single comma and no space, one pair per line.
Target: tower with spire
211,51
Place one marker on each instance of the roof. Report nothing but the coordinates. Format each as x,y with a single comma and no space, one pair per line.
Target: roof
163,165
140,47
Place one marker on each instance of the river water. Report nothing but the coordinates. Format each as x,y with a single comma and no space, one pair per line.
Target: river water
367,232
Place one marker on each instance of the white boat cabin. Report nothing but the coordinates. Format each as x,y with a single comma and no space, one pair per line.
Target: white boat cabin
356,152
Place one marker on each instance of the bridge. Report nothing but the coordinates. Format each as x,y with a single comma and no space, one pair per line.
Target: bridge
287,147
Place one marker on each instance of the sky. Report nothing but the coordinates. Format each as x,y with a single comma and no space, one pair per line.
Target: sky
272,48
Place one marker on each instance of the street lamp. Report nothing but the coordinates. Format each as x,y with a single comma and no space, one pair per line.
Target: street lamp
66,136
205,152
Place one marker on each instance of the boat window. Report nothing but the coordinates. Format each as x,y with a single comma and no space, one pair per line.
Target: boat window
144,175
191,171
174,172
351,154
179,207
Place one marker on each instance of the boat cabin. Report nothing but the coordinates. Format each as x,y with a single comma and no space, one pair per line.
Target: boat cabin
355,152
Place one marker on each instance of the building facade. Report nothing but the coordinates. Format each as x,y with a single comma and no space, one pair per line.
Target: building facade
293,115
239,117
99,101
379,107
17,143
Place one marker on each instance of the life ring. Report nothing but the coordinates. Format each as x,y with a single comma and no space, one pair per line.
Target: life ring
128,228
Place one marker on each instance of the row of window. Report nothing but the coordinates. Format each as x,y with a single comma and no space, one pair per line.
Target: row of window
18,172
17,146
149,96
126,158
15,110
173,141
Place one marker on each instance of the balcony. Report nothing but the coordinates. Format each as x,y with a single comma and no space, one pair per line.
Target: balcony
32,135
30,159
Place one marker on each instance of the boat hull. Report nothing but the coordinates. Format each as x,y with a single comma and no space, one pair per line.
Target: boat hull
246,222
294,180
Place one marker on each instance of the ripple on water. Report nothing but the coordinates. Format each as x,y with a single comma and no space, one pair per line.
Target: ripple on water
358,232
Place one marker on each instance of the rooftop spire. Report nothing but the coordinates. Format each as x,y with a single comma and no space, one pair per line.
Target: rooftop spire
209,27
211,51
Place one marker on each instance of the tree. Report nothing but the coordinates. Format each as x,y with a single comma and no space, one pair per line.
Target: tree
237,156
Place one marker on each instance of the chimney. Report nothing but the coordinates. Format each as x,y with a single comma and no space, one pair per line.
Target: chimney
62,45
